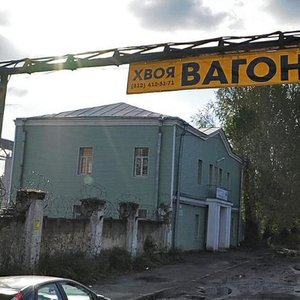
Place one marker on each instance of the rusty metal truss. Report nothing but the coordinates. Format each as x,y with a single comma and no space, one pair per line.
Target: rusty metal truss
163,51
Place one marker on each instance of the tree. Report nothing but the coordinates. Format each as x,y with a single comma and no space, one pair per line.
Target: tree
263,126
205,118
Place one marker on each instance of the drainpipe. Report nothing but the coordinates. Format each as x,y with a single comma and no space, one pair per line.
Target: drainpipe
178,179
157,178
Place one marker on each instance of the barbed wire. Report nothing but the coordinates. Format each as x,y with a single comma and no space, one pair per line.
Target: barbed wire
61,205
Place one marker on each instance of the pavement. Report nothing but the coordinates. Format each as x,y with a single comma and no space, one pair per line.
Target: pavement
206,275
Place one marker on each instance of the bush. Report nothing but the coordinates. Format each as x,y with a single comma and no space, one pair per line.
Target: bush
118,259
86,269
71,265
82,268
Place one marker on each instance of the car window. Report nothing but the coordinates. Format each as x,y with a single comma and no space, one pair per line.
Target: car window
48,292
76,292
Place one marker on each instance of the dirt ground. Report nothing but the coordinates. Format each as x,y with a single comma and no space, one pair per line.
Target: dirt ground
234,274
266,276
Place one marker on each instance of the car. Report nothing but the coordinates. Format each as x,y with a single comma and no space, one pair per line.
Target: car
33,287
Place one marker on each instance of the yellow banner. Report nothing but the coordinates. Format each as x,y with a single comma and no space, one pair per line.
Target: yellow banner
252,68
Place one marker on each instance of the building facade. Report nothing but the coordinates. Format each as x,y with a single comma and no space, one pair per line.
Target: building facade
121,153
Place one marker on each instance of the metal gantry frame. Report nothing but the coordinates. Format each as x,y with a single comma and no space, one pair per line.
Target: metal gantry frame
127,55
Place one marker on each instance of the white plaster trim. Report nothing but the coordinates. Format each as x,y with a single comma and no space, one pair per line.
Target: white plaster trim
92,122
221,202
189,201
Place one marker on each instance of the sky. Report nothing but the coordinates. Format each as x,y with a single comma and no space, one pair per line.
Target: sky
35,28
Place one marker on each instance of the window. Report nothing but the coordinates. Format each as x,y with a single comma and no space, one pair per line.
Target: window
210,174
215,176
197,225
76,292
85,160
200,171
47,292
141,161
220,177
228,180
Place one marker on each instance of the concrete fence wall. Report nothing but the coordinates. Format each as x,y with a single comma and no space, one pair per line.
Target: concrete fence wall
64,236
153,230
28,231
11,240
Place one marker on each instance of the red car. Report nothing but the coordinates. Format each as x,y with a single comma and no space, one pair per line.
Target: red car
29,287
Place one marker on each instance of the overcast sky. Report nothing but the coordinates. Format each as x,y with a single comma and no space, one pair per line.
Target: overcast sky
35,28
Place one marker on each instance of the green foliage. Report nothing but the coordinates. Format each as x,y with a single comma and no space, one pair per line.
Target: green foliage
263,126
119,260
149,246
205,117
70,265
79,267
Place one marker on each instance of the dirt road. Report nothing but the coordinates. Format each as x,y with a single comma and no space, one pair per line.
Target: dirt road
235,274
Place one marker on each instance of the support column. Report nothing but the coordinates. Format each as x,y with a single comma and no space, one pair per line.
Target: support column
129,210
213,226
93,208
164,213
34,206
218,224
225,226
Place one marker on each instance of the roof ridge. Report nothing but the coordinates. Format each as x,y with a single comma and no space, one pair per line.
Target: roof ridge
118,109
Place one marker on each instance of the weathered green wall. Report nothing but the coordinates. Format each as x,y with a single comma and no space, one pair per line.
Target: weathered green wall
209,152
187,233
51,161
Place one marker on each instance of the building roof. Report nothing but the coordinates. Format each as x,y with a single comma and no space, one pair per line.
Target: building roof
111,110
209,130
125,111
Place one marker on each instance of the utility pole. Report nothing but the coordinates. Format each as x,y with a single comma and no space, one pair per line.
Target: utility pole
3,90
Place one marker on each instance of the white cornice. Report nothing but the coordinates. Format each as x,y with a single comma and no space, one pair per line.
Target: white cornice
195,202
94,122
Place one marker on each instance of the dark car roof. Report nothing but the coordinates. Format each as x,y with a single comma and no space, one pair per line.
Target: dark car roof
21,282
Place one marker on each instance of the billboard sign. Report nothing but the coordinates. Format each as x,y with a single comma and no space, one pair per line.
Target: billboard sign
215,71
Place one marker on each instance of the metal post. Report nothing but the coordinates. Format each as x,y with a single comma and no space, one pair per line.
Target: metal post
3,89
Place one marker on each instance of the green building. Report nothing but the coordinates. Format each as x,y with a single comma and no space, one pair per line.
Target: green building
122,153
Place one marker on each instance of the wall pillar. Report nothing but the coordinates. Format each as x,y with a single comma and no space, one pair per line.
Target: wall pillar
164,213
213,226
33,205
225,226
218,224
93,208
129,210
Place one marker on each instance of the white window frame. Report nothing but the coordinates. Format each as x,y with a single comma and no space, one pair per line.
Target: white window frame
85,162
142,160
